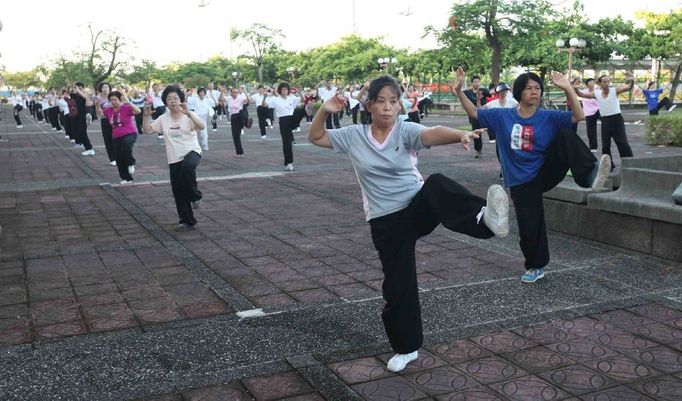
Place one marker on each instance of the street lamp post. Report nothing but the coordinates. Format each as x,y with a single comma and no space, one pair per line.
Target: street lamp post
575,45
384,62
291,71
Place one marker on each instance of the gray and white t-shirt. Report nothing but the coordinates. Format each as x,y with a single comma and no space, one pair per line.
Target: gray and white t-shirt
387,172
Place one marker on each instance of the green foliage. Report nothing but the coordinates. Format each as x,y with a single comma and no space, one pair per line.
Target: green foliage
664,130
22,79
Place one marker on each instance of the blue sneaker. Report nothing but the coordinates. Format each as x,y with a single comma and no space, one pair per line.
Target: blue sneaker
533,275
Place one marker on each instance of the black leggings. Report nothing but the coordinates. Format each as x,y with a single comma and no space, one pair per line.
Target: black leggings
665,102
287,138
108,139
591,126
614,127
17,109
123,147
183,178
567,151
236,125
440,201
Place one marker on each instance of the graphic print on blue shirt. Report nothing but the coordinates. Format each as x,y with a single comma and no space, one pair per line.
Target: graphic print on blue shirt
523,142
652,97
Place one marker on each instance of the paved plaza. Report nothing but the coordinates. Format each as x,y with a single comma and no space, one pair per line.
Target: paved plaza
277,293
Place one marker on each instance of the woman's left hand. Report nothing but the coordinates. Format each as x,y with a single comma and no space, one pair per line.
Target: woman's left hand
470,136
184,109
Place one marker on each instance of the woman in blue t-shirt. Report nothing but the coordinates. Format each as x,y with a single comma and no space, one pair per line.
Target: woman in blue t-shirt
400,206
537,147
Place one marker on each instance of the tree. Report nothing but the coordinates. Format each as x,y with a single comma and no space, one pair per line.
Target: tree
496,23
144,74
661,38
101,59
262,39
21,79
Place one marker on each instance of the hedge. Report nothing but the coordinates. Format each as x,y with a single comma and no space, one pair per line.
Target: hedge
664,129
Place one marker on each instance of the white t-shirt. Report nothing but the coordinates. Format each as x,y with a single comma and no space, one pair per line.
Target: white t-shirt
352,101
283,107
203,108
325,93
156,99
257,99
16,100
63,106
509,103
179,135
610,105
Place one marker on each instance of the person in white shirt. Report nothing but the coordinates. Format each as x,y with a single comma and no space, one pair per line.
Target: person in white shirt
213,95
64,113
203,107
261,111
18,107
612,123
425,102
353,103
179,129
327,91
284,106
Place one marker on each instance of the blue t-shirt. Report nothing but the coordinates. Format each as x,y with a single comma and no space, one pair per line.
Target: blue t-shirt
652,97
523,142
387,172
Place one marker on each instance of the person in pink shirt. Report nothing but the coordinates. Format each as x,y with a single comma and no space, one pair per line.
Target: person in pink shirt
234,104
121,116
591,109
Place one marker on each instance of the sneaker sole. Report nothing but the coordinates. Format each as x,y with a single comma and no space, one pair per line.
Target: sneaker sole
602,173
497,200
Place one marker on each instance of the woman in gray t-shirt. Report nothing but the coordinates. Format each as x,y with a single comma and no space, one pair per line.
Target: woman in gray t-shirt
400,206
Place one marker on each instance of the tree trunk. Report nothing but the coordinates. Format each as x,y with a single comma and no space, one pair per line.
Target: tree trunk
676,81
260,72
495,68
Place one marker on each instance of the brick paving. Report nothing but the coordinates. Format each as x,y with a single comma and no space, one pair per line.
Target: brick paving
81,257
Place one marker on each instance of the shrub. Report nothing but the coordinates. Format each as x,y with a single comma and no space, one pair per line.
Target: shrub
664,130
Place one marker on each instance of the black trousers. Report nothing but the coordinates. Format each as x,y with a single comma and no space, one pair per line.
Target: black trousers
32,108
183,177
413,116
262,114
365,117
123,148
297,117
138,122
614,127
665,102
64,120
424,106
108,139
17,110
478,142
440,201
354,113
80,128
158,112
287,138
567,151
39,111
335,118
591,126
53,112
236,125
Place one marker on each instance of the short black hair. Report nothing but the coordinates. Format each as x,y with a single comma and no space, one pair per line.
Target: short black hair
282,86
80,84
378,84
118,94
201,90
475,77
172,89
101,84
599,79
521,82
260,87
587,81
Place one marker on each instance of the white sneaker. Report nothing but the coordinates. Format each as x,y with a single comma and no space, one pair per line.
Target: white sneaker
131,170
602,174
160,136
593,150
78,145
267,120
670,110
242,132
66,137
496,213
124,182
214,129
491,141
113,163
20,126
90,152
297,130
289,167
72,140
53,129
399,361
263,137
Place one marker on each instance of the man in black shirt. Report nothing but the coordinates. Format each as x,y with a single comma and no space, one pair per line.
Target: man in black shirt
477,95
79,124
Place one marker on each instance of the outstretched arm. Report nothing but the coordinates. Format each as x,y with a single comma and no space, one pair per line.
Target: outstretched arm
317,135
627,87
440,135
560,81
456,89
